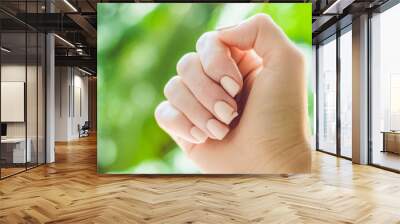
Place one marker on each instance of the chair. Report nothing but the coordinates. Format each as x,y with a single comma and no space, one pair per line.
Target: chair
84,130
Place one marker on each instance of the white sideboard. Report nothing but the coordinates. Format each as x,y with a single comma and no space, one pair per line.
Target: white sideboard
18,147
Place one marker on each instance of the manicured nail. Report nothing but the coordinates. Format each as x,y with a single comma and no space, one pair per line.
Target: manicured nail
230,85
198,134
224,112
217,129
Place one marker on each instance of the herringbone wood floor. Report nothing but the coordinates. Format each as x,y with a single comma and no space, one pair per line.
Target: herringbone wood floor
70,191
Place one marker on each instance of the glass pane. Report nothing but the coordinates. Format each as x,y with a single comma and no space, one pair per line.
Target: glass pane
346,94
22,107
41,98
32,95
31,86
13,86
311,100
327,97
386,89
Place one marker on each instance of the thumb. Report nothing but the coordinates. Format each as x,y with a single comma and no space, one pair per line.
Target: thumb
258,32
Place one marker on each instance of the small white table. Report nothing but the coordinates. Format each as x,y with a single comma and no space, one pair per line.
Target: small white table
19,155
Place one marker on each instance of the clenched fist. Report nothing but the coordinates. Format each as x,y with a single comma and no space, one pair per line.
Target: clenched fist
238,104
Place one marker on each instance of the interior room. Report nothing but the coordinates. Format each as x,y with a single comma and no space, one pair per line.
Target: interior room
22,99
48,150
385,90
334,106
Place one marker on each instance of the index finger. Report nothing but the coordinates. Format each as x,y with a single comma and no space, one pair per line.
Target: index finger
218,64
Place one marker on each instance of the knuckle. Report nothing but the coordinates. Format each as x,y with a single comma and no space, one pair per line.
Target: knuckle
185,62
267,27
263,18
160,114
171,87
212,65
204,39
166,116
159,111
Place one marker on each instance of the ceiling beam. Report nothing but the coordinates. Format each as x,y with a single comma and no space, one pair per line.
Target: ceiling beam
320,23
337,6
49,22
79,61
84,24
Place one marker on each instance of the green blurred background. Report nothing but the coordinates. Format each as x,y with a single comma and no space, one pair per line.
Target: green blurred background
138,48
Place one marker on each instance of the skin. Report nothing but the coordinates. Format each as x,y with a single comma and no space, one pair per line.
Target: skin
270,133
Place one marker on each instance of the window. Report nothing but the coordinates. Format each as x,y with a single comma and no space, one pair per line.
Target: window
385,89
327,97
22,78
346,94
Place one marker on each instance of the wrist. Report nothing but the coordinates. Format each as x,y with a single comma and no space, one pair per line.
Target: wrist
292,157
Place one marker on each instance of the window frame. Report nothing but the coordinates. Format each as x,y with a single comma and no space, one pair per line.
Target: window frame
381,9
334,37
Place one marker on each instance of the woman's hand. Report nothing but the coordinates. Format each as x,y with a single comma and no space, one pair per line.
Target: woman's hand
238,104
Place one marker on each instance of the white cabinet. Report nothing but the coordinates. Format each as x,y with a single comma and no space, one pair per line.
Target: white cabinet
17,146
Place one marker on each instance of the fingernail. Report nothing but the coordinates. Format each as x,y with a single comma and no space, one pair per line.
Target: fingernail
198,134
224,112
217,129
230,85
225,27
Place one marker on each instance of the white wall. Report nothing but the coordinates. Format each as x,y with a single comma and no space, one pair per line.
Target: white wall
14,72
13,101
17,73
79,117
62,81
70,83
